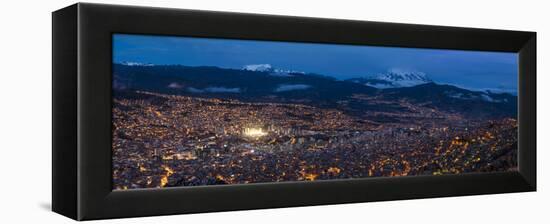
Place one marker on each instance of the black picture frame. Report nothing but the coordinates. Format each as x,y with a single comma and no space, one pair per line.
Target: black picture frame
82,111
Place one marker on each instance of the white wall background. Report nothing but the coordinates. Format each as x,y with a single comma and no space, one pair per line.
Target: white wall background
25,112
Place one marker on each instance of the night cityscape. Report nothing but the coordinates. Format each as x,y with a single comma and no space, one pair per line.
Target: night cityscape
189,141
176,126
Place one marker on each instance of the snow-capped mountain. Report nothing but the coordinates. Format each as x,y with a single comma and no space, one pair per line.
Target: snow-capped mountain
403,79
131,63
270,69
313,89
258,68
394,79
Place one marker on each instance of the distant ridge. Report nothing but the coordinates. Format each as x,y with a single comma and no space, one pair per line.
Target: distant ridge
270,69
130,63
311,89
394,78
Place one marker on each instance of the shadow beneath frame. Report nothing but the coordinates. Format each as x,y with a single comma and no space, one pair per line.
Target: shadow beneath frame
45,206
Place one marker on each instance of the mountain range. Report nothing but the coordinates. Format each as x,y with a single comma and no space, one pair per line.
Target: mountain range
393,79
264,83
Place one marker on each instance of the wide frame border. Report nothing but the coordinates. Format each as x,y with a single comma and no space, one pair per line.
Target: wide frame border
82,36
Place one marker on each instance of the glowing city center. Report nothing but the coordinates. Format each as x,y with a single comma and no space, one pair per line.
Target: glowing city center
254,132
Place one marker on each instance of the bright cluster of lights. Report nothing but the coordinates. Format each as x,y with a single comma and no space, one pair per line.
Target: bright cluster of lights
254,132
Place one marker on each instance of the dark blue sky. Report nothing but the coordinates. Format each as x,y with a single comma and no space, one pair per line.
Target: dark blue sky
468,69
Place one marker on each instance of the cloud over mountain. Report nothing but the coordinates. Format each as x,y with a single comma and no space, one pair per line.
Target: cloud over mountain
214,89
291,87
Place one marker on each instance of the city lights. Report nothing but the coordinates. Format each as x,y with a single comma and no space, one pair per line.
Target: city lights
254,132
206,141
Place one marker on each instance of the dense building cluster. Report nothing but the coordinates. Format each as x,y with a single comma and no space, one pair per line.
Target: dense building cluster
168,140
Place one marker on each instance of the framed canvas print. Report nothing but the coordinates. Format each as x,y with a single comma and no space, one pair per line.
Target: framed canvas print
166,111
